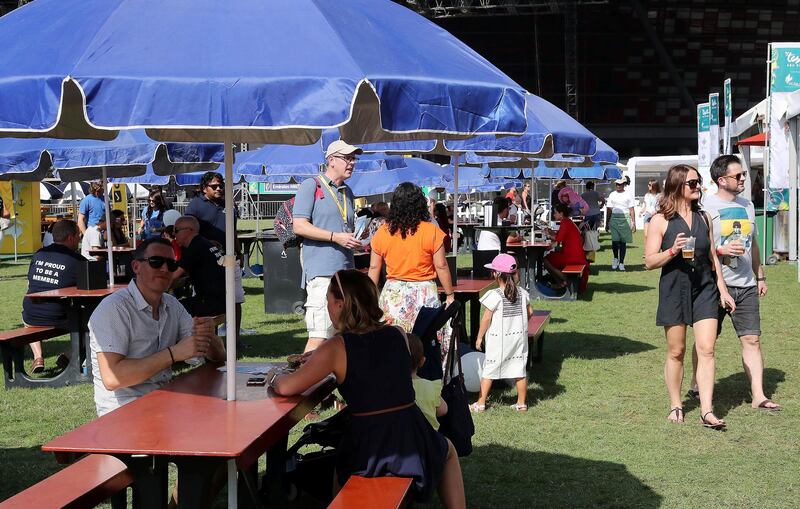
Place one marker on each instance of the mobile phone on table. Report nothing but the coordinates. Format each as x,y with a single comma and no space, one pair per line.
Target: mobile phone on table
257,381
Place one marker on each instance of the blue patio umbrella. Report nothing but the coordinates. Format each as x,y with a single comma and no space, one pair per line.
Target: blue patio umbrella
371,68
418,171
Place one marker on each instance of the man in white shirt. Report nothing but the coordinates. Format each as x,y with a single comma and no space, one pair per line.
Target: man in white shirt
139,332
93,238
488,240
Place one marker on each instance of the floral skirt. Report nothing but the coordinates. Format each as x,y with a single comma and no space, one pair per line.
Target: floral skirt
402,300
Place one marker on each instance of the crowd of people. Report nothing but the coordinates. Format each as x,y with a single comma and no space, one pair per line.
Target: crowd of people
359,325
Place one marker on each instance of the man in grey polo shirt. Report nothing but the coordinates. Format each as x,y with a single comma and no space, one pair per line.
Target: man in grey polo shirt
323,216
734,237
139,332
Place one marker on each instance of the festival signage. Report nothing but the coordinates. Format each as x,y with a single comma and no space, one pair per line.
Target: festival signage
784,79
703,135
728,99
713,138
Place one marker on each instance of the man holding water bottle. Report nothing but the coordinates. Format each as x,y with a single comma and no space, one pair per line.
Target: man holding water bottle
734,231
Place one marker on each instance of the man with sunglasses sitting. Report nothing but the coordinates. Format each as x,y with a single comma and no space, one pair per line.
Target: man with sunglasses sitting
139,332
201,259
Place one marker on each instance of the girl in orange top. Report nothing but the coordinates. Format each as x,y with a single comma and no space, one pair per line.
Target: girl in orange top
412,247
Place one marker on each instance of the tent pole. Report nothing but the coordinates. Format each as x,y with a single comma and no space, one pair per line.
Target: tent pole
764,254
793,189
109,241
455,207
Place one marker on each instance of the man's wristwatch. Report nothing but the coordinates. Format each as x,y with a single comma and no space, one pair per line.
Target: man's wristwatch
761,279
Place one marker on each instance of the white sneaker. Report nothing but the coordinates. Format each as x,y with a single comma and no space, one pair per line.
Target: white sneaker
621,267
614,264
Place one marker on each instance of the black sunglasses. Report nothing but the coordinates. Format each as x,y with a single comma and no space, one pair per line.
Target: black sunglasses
215,186
693,183
157,261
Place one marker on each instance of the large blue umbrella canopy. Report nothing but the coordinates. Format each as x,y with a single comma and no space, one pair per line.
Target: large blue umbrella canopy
129,154
418,171
371,67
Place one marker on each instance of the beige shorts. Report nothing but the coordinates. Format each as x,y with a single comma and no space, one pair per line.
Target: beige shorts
318,322
239,289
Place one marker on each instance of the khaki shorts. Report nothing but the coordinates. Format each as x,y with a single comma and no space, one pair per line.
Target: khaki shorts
318,322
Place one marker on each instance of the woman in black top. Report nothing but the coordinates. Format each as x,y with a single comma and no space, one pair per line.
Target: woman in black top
387,434
691,288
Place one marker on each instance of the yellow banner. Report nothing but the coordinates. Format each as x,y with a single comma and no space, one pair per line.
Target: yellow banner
119,201
22,201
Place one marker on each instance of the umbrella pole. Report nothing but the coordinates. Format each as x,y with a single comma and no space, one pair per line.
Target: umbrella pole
109,241
15,231
73,186
455,208
133,215
230,305
532,205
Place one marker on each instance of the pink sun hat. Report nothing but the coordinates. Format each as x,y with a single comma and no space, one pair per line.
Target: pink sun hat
504,263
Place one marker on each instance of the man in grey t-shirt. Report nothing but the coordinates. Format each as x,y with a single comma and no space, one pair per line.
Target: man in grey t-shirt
734,227
139,332
595,202
323,216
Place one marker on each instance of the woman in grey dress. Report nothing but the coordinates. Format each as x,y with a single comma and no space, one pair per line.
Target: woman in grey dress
691,287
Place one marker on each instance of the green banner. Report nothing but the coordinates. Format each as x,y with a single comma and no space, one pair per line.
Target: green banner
728,99
785,70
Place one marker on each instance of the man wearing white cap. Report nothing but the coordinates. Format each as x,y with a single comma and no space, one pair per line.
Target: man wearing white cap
323,216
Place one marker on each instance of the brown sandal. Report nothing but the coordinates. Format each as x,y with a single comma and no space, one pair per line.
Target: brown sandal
37,366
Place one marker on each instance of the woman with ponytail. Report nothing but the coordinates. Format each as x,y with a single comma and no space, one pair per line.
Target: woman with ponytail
505,327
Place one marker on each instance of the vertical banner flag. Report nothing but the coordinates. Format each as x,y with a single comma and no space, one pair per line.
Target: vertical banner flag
713,105
728,99
784,79
703,134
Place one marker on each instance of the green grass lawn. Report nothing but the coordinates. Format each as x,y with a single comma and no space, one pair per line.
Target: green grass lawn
596,433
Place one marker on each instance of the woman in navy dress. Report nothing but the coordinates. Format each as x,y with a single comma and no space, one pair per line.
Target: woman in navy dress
691,288
388,434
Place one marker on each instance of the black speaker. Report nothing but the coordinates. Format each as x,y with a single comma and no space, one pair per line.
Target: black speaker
92,275
481,258
282,277
452,264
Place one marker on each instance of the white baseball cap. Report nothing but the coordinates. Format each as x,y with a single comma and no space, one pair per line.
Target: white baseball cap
341,147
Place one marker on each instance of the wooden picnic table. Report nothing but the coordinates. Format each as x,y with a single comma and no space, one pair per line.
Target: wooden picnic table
469,289
503,231
123,256
80,305
533,251
188,422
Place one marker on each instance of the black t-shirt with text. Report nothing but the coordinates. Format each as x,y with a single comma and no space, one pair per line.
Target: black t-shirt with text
52,267
202,260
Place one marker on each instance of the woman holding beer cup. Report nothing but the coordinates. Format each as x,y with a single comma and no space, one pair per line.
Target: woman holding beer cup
691,287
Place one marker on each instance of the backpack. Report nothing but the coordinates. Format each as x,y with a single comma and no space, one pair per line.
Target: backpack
284,218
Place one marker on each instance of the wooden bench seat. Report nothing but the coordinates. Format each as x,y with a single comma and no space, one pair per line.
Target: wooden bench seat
536,327
12,348
25,335
573,269
83,484
373,493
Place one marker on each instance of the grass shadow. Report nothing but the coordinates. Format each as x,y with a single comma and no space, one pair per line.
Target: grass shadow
734,391
560,346
615,288
23,467
550,480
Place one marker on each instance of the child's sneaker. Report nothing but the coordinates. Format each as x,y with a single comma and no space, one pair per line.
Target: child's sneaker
621,267
614,263
519,408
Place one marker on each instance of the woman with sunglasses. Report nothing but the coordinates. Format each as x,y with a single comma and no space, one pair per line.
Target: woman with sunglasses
152,222
387,434
691,288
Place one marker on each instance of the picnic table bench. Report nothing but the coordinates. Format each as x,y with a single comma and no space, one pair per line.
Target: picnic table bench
374,493
12,347
536,326
83,484
574,274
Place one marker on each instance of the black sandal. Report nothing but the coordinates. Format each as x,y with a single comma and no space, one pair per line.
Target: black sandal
678,411
693,394
719,426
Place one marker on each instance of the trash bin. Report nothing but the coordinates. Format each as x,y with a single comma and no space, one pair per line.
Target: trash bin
767,255
282,276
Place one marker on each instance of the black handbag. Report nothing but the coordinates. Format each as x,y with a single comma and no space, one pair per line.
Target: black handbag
457,423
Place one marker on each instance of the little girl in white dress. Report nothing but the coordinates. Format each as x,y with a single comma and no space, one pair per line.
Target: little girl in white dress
505,329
